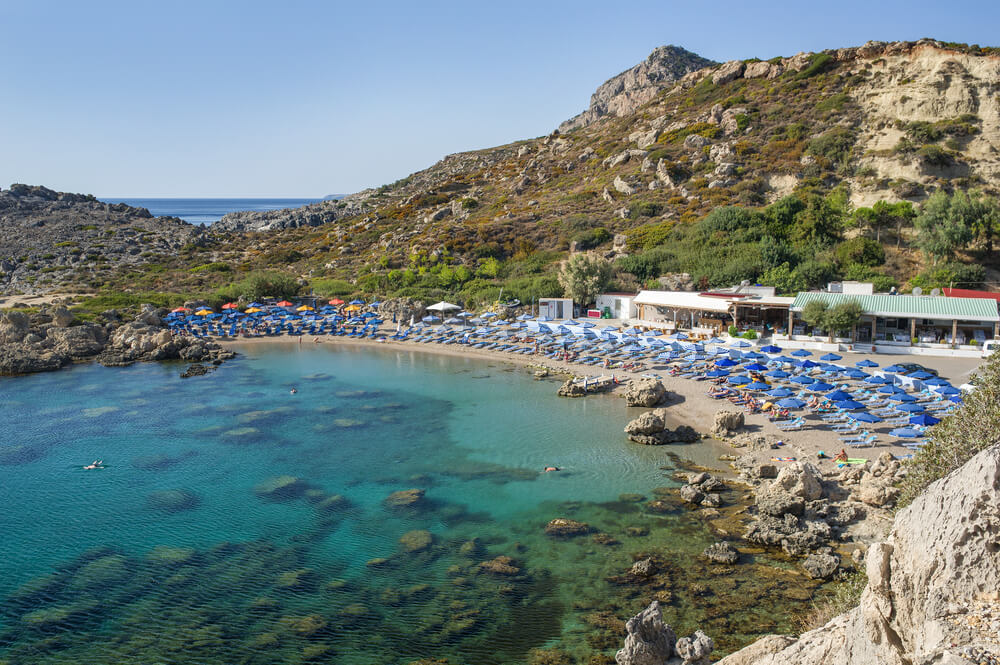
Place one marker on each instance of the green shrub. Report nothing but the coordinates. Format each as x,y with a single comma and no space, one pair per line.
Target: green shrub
833,102
934,155
818,63
258,285
645,209
218,266
959,275
469,203
734,331
591,238
750,334
834,145
67,243
329,288
860,250
647,265
648,235
975,426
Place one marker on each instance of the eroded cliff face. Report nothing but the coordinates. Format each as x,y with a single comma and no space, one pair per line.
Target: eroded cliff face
623,94
933,593
927,84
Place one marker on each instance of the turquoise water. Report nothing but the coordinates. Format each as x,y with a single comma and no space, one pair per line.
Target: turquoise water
178,551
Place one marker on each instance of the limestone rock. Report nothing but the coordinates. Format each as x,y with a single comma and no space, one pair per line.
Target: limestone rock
726,424
821,566
801,479
695,650
624,187
762,69
776,501
502,566
722,552
651,429
645,392
623,94
571,389
648,640
405,498
729,71
643,568
692,494
416,541
280,488
695,142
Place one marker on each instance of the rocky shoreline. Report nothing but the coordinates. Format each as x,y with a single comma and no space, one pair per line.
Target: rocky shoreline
53,338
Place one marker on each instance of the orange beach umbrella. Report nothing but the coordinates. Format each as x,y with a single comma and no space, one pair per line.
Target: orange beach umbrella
203,312
181,309
336,301
304,308
284,303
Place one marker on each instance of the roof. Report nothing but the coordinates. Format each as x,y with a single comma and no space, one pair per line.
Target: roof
965,309
683,300
769,301
969,293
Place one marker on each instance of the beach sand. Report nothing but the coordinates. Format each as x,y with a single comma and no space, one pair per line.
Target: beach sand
692,407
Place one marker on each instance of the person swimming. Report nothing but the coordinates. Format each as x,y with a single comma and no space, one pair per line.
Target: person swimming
96,464
552,468
293,391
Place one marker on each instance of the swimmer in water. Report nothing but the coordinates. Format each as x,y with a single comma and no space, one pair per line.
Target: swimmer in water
293,391
96,464
552,468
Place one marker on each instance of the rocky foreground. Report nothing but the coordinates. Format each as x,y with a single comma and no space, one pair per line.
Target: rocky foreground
52,339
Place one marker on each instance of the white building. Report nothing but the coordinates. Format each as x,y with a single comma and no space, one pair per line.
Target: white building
556,308
617,305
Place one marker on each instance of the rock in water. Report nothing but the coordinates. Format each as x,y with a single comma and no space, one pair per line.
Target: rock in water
645,392
821,566
572,389
563,528
404,498
648,640
694,650
721,552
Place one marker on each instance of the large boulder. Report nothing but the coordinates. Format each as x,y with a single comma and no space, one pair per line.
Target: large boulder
648,640
571,389
645,392
562,527
721,552
650,422
695,650
651,429
927,583
801,479
821,566
729,71
726,424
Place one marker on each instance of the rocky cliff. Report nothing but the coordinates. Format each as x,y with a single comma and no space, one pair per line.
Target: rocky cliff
49,238
933,593
623,94
328,210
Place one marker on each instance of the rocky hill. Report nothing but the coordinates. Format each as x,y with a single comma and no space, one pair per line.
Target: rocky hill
661,146
49,238
623,94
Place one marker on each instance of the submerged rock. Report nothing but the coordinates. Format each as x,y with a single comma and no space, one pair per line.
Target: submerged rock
405,498
821,566
501,565
280,488
172,501
416,541
562,527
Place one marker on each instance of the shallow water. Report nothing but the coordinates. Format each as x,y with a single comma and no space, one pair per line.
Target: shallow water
180,552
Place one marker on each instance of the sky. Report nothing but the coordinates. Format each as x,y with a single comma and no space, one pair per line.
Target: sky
305,99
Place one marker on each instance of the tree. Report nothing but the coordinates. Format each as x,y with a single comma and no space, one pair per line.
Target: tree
842,317
583,277
819,222
814,313
983,216
942,225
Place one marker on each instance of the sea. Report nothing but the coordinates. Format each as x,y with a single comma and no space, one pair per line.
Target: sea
392,508
207,211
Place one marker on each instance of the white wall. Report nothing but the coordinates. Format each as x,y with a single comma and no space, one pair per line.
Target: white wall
621,306
556,308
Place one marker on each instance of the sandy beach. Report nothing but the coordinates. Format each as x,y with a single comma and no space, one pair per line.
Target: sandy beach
692,406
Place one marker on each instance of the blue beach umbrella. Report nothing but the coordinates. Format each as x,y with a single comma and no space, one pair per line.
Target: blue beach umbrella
740,344
801,353
784,359
523,317
779,392
890,389
777,374
757,385
753,355
839,395
866,363
936,381
920,375
948,390
849,405
924,420
357,302
864,417
820,386
770,348
739,380
893,369
956,399
715,373
715,340
830,357
906,433
877,380
910,408
790,403
803,380
588,324
856,374
726,362
755,367
571,322
806,364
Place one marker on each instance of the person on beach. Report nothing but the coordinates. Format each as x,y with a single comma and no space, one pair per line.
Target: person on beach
841,456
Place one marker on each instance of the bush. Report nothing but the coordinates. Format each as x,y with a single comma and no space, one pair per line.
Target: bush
649,264
212,267
934,155
953,441
256,286
818,63
734,331
469,204
834,145
862,251
592,238
334,287
645,209
750,334
958,275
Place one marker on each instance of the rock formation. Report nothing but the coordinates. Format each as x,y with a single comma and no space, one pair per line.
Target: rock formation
929,584
726,424
650,641
623,94
651,429
645,392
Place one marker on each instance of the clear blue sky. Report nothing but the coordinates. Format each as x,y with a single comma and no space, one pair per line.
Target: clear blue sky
311,98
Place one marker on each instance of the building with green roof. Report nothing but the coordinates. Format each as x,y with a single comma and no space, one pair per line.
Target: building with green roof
898,318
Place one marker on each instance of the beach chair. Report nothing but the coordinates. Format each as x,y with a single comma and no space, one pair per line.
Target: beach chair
791,426
864,442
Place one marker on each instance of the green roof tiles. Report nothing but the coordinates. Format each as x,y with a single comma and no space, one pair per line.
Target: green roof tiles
930,307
